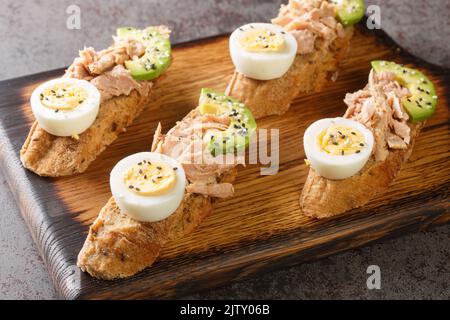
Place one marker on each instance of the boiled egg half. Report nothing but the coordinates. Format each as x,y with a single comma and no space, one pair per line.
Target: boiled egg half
65,106
148,186
262,51
337,148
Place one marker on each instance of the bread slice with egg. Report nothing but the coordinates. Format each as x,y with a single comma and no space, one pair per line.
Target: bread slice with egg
324,198
49,155
123,75
119,247
308,73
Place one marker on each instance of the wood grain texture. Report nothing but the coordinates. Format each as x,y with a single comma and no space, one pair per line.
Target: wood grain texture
261,228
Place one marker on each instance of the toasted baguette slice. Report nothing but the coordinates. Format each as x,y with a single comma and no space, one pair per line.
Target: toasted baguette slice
308,73
323,198
118,246
49,155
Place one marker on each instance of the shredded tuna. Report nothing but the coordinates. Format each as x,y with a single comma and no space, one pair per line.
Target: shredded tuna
395,142
184,142
118,82
91,63
308,21
105,68
378,106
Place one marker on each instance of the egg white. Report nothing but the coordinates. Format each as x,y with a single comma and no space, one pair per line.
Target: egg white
146,208
66,122
263,65
336,167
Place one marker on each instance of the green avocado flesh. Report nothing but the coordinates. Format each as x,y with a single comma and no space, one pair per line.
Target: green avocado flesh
349,12
242,124
157,56
422,102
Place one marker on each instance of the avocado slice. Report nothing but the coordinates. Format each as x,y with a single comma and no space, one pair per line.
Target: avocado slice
242,124
349,12
157,56
422,102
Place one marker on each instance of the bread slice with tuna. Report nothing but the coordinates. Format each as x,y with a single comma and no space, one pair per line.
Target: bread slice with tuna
378,106
319,52
118,246
122,100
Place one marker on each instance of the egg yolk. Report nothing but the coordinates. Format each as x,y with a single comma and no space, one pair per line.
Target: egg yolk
63,96
341,140
150,178
261,40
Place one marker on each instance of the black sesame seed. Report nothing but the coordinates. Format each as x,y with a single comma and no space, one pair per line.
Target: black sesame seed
361,144
131,187
335,143
159,168
139,163
342,152
137,189
358,151
353,133
145,177
175,169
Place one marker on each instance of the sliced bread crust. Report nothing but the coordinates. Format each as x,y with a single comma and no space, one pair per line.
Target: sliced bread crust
324,198
308,73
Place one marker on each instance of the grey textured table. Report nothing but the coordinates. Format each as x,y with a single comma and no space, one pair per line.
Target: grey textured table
35,38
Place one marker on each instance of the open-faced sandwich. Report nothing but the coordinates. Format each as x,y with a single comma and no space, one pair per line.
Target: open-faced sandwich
101,93
358,156
297,53
166,193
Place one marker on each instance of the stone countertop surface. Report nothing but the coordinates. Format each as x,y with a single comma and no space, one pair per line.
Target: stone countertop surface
35,38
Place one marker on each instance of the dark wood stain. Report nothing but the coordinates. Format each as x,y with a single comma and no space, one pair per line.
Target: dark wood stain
258,230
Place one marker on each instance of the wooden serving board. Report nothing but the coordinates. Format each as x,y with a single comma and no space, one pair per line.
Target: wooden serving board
258,230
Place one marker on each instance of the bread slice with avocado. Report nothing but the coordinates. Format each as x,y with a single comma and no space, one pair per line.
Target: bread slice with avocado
125,75
118,246
389,83
319,53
